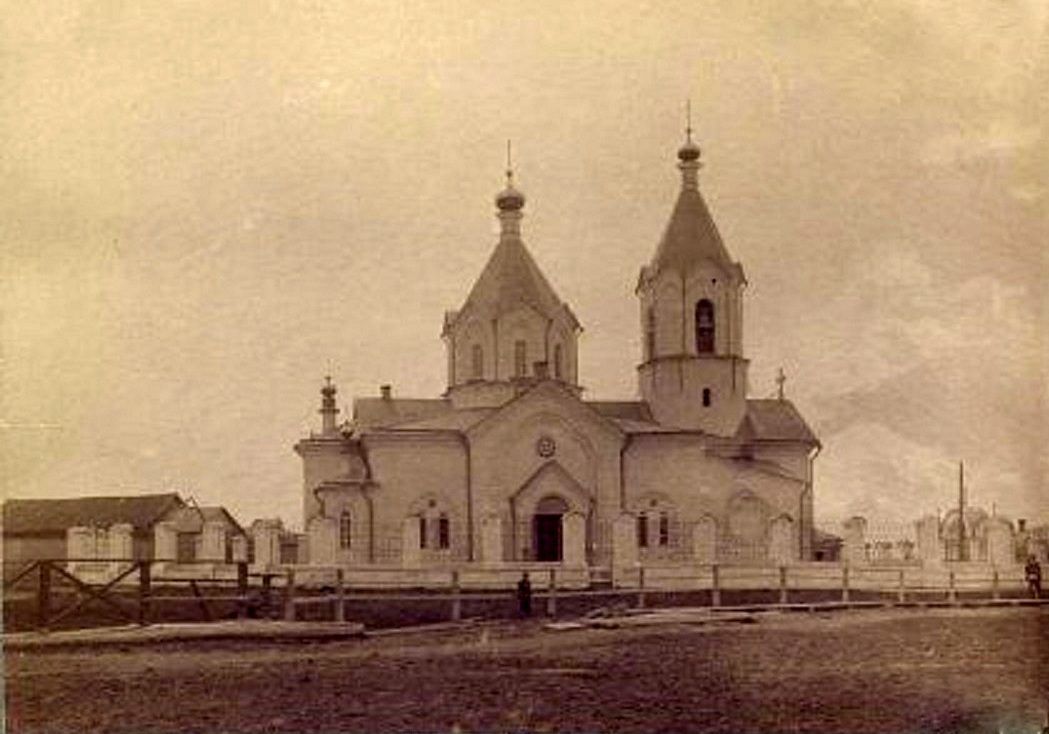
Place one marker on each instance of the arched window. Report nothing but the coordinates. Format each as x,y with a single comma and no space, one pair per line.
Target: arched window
706,397
704,327
520,357
422,531
444,532
559,362
658,526
650,334
345,529
477,359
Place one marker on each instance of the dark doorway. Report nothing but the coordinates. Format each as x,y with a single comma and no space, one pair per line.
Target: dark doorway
548,537
546,529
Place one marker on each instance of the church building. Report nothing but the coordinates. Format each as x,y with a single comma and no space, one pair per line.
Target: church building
513,464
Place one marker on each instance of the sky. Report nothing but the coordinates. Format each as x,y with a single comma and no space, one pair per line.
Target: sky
205,207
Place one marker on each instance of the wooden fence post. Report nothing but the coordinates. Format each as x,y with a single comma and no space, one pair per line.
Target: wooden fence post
551,598
289,597
995,591
715,585
899,588
43,596
845,582
145,589
457,602
242,589
340,596
952,592
782,584
641,587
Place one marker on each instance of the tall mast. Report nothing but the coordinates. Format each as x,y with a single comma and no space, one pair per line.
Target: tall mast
963,542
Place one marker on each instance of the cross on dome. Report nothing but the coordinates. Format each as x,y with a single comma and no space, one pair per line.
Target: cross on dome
509,199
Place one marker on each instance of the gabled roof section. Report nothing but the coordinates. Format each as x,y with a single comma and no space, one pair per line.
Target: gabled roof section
691,237
509,280
40,516
775,420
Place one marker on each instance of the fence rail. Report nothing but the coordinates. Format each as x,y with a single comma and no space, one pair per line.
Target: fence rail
292,591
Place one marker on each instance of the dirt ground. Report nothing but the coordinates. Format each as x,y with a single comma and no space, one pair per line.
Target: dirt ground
884,671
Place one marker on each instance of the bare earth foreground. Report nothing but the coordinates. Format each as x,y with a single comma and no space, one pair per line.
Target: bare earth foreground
886,671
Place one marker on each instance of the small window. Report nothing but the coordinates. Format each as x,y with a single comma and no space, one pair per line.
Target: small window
477,358
345,529
422,532
704,327
559,362
520,357
642,531
664,529
443,532
706,397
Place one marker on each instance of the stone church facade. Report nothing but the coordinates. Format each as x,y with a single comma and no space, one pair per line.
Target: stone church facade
514,465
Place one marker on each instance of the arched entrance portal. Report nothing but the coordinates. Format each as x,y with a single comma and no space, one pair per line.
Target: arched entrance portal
547,530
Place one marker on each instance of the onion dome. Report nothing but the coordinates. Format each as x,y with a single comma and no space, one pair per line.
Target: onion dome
688,152
509,199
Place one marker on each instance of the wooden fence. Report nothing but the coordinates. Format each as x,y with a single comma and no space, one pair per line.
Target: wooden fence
112,594
295,592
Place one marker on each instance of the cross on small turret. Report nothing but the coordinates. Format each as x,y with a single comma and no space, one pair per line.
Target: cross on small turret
781,380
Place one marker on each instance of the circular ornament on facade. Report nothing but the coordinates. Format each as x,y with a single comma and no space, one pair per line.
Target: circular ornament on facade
545,447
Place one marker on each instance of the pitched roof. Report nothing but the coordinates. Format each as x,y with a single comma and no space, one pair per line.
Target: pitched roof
56,516
385,412
691,236
191,519
455,420
512,278
633,410
775,420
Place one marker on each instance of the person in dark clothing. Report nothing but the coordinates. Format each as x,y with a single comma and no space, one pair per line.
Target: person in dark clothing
524,596
1033,574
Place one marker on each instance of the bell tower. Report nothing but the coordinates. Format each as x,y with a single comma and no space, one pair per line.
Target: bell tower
693,374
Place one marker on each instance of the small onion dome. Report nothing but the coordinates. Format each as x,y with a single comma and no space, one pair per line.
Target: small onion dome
688,152
510,199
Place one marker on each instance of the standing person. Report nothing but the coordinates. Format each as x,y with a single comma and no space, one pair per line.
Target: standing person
1033,574
524,596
